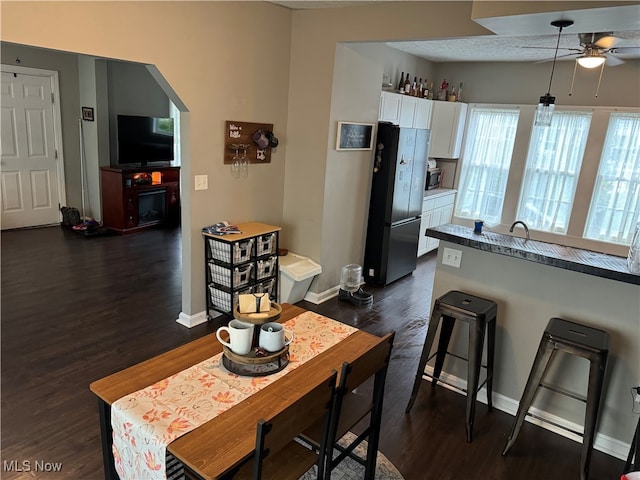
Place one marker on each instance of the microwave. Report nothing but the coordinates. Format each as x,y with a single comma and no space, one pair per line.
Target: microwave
434,178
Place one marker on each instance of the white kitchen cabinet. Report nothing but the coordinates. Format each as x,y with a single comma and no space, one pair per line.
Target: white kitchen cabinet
405,111
424,109
425,222
437,209
408,107
389,110
447,128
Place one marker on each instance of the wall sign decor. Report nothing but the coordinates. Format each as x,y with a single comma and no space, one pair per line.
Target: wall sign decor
241,133
354,136
87,114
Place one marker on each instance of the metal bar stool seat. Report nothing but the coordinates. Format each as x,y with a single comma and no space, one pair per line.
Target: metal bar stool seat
480,314
575,339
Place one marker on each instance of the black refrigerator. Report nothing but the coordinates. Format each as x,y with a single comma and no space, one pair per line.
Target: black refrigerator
397,190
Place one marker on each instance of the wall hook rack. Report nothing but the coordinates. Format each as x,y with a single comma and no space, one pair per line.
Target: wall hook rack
240,134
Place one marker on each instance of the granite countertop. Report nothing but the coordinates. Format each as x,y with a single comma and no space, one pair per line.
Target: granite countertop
568,258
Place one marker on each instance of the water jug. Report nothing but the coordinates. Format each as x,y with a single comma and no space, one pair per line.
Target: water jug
351,277
633,260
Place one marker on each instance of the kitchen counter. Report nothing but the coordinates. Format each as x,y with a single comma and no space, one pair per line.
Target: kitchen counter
533,281
568,258
437,192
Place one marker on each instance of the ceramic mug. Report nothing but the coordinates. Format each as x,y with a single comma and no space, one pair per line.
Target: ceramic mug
274,337
240,336
261,139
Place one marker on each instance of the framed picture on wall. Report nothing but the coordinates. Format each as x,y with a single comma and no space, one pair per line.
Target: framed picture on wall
354,136
87,114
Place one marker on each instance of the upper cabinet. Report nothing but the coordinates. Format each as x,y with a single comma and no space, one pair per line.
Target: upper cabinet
390,107
405,111
447,128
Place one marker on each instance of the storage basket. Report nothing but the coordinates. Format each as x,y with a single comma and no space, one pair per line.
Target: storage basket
223,275
222,300
266,268
266,286
236,252
266,244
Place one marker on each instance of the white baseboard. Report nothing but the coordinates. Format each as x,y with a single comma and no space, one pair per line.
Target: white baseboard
322,297
191,321
546,420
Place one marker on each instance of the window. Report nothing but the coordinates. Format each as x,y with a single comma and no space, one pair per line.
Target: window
615,206
552,169
491,134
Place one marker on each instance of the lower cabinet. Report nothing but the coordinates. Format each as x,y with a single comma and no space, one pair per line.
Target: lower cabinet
437,209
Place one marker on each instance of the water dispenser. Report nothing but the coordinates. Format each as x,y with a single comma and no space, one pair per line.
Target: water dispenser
350,290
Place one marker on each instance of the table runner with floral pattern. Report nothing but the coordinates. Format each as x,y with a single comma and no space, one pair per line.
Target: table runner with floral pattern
146,421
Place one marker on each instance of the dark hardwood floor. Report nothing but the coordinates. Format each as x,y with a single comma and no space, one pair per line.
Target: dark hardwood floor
76,309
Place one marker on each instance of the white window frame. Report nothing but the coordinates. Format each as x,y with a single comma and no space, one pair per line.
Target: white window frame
628,179
482,186
574,236
554,174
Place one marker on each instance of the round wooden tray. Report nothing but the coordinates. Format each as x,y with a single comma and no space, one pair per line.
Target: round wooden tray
255,366
259,318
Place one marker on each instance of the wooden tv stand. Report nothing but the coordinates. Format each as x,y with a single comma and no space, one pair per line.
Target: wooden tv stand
135,198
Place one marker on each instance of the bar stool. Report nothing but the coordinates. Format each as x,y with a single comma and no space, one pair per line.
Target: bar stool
575,339
480,314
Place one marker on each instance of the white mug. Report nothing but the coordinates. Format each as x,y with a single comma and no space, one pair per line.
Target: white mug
273,338
240,336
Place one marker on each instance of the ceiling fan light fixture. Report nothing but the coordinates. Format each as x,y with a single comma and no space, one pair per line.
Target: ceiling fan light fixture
544,111
591,60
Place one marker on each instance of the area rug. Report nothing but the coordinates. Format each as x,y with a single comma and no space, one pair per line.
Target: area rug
349,469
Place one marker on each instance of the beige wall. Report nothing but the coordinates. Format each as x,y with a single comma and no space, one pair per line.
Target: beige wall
524,83
528,295
255,61
225,61
308,215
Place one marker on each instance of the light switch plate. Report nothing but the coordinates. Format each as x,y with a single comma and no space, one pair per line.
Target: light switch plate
202,182
451,257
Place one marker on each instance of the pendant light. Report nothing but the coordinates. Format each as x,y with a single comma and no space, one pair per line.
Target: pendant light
547,102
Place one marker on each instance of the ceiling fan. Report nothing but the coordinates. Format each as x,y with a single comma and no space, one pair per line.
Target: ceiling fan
597,49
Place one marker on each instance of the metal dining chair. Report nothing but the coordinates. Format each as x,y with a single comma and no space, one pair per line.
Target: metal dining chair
277,455
351,407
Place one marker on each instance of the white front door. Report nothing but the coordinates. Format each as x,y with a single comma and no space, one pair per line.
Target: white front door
30,187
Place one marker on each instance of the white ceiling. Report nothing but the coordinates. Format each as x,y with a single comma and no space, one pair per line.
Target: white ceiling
515,35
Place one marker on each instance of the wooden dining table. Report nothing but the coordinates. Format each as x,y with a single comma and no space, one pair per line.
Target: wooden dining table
228,439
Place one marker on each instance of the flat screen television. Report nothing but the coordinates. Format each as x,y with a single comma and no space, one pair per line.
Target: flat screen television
143,140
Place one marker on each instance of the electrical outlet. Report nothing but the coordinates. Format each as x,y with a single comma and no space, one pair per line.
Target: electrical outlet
452,257
202,182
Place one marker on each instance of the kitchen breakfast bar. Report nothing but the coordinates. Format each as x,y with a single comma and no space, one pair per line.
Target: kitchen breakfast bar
531,282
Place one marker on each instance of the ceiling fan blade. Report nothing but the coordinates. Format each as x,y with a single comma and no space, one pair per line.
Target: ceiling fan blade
606,41
553,48
625,50
612,60
557,58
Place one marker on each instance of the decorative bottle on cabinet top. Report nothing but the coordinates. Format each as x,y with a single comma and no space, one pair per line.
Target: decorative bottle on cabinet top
407,86
633,259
